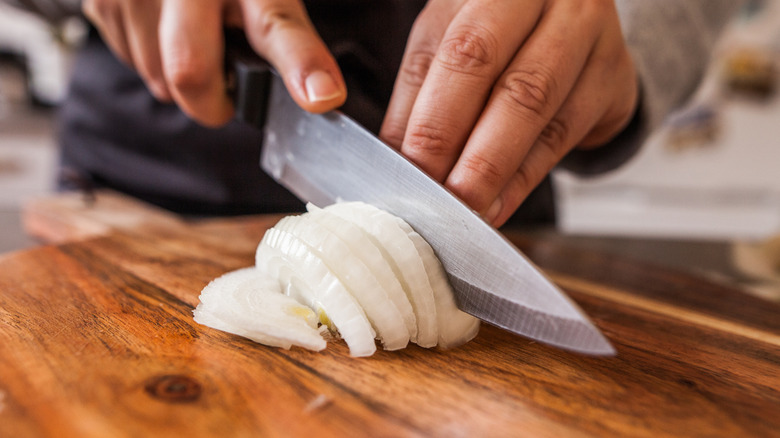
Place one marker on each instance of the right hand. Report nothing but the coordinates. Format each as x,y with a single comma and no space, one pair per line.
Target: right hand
177,47
492,94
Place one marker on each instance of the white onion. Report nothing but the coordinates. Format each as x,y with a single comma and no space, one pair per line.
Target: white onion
307,279
369,255
352,268
245,302
455,326
388,233
355,276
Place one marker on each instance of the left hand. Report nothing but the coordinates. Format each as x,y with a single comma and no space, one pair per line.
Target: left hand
492,94
176,46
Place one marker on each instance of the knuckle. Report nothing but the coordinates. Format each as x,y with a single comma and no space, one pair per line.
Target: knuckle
487,172
529,89
527,178
186,73
274,18
426,140
416,67
469,49
555,137
393,133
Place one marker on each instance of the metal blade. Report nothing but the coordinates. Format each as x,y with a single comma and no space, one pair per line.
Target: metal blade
325,158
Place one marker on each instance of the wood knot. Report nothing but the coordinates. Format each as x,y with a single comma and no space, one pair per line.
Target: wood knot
687,383
173,388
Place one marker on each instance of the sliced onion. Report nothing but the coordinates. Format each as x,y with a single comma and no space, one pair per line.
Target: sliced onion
246,303
456,327
307,278
363,247
351,268
388,234
355,276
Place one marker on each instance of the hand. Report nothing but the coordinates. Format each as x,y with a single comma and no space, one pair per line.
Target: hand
492,94
177,48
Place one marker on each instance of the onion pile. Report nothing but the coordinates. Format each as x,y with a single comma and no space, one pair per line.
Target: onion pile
350,271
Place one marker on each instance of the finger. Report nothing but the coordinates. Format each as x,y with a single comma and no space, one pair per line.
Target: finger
144,45
420,51
191,47
557,139
624,84
106,16
280,30
598,107
525,99
478,45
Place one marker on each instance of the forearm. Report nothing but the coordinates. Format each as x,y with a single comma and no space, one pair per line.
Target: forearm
670,42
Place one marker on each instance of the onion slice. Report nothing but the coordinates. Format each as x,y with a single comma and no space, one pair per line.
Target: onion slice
456,327
307,278
388,233
355,276
369,254
246,303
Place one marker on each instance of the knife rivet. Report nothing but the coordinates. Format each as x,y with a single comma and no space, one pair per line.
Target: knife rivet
173,388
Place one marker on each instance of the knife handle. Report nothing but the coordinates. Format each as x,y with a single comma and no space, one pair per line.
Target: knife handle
248,78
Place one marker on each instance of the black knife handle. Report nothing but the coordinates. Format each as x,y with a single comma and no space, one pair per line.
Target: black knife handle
248,78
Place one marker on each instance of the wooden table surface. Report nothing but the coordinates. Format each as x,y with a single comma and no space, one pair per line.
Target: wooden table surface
97,340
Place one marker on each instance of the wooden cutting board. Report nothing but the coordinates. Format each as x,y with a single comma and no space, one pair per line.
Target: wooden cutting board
97,340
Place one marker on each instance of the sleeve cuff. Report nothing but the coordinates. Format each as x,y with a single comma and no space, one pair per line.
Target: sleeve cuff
615,153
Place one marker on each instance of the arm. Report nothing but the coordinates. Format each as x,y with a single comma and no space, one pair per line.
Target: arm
670,42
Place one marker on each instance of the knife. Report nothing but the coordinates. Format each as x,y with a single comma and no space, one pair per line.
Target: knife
324,158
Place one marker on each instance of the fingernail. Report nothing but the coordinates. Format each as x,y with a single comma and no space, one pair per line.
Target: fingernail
494,210
321,87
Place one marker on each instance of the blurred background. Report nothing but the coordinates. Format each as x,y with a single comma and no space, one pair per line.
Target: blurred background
703,195
34,61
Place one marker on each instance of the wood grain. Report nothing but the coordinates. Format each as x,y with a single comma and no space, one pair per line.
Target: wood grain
97,339
74,215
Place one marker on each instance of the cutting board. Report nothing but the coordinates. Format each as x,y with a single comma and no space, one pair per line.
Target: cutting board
97,340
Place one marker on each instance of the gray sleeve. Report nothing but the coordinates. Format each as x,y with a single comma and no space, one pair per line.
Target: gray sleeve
54,11
670,42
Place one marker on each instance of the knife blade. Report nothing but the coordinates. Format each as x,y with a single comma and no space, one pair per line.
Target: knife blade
324,158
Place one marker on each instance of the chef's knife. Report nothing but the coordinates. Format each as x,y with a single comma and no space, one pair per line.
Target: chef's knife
323,158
